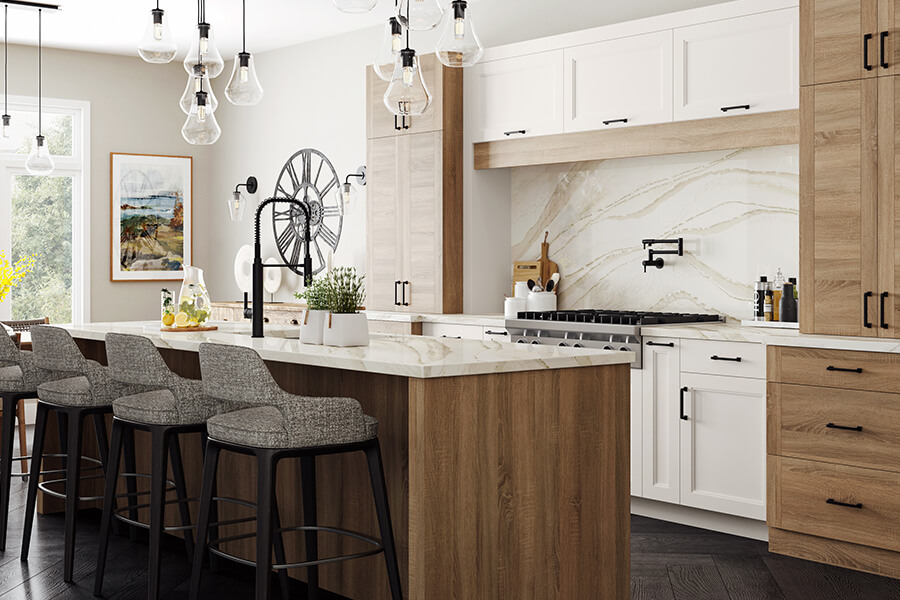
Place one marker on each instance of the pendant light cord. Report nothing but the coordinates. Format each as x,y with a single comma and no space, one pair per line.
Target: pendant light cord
6,59
245,24
407,25
40,69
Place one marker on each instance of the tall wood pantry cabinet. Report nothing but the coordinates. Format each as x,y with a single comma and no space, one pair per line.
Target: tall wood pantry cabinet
414,252
848,168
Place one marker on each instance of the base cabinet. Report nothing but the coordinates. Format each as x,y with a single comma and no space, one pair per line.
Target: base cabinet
660,426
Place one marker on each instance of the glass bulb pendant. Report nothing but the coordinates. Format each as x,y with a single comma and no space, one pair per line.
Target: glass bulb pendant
243,88
345,194
158,45
407,95
6,125
236,206
201,127
354,6
205,45
39,161
390,49
422,14
459,45
198,81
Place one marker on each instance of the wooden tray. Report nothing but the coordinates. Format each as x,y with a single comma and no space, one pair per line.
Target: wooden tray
180,329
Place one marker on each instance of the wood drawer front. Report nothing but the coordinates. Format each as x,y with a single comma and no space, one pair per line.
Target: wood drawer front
820,424
283,317
799,491
718,358
873,371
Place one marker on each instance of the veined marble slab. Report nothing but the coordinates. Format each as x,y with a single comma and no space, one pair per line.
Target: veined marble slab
456,319
406,356
738,212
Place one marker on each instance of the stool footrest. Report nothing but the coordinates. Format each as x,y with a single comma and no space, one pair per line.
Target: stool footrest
61,495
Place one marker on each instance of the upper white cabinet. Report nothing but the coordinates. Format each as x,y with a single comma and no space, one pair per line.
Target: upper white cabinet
520,96
622,82
736,66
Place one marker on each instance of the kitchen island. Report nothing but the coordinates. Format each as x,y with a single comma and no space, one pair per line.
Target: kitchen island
507,465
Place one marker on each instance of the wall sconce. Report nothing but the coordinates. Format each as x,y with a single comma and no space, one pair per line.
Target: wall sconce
236,203
347,193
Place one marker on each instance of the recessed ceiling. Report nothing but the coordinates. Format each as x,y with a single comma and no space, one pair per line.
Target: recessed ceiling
116,26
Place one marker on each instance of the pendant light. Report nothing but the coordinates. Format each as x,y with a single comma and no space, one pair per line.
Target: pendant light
243,88
6,118
39,161
201,128
459,45
158,45
204,47
390,49
196,82
354,6
407,95
420,15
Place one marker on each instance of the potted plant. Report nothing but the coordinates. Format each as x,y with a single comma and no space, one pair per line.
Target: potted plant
313,325
346,326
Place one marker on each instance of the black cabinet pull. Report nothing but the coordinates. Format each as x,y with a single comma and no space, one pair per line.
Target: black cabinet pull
866,323
884,63
884,296
684,417
496,333
866,64
844,427
847,504
735,107
396,123
405,124
406,283
509,133
833,368
396,293
611,121
666,344
735,359
452,337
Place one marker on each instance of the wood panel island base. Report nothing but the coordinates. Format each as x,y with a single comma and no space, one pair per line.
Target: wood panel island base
507,465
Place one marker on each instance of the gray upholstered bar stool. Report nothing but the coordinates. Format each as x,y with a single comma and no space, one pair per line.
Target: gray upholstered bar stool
86,390
282,425
175,405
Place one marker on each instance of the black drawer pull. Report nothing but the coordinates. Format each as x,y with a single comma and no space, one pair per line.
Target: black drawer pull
611,121
735,359
847,504
736,107
681,392
866,64
884,62
866,323
842,370
884,324
396,293
517,131
452,337
406,283
496,333
844,427
666,344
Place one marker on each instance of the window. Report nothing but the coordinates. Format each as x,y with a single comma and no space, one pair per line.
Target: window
48,216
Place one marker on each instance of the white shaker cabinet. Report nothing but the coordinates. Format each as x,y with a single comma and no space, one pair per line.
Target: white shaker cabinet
660,419
737,66
723,445
519,97
637,467
620,82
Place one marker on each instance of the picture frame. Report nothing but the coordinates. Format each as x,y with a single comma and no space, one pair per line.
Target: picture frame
151,216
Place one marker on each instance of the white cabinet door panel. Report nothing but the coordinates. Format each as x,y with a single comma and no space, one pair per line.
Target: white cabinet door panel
746,61
660,419
521,96
636,433
622,82
453,330
723,445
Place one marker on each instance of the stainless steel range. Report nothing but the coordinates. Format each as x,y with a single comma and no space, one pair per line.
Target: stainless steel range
607,329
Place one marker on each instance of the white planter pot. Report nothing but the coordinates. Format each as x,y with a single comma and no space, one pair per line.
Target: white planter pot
345,330
312,328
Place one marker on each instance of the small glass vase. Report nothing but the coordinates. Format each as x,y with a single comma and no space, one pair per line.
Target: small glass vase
167,307
193,300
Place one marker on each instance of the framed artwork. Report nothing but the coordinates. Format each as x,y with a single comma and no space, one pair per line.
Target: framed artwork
151,222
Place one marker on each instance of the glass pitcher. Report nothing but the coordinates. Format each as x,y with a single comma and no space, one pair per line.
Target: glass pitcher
193,300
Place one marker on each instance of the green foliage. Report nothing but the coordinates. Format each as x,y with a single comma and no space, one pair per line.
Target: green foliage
315,294
342,292
200,315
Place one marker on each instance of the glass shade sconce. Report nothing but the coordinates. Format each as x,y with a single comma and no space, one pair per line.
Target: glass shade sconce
346,193
237,202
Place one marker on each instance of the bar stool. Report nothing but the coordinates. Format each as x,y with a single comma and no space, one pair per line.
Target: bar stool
283,425
175,406
87,391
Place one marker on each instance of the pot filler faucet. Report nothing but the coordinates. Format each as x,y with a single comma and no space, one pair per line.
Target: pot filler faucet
258,266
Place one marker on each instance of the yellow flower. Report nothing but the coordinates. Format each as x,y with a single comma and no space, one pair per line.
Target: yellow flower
11,273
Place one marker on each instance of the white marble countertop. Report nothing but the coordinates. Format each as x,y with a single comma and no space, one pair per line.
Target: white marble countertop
457,319
406,356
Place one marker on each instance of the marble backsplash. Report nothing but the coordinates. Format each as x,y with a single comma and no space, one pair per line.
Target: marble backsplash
736,210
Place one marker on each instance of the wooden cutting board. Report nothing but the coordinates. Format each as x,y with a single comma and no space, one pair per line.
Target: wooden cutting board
188,329
525,270
548,267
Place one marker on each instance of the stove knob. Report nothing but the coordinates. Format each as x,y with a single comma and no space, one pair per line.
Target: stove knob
577,346
535,343
563,344
625,349
520,341
607,347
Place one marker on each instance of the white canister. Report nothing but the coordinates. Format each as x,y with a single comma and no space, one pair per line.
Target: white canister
521,289
541,301
513,306
312,328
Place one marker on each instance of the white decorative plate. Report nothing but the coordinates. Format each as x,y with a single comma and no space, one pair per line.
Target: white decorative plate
272,277
243,268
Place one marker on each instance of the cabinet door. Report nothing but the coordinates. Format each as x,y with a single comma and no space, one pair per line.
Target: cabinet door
380,122
837,36
521,96
660,419
619,83
723,445
737,66
888,207
637,455
383,228
838,206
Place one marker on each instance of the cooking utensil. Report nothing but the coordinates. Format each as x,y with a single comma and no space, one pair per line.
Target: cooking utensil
550,286
553,283
531,284
548,267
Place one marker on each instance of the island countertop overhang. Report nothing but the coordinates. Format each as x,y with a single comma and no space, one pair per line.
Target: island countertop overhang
405,356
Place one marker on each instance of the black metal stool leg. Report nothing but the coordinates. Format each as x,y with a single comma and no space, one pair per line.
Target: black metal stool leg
109,504
7,435
210,464
62,423
213,511
159,446
284,582
103,451
73,476
37,453
265,487
308,487
379,491
131,482
181,493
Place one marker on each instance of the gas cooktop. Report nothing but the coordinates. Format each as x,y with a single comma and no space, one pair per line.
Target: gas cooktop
617,317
